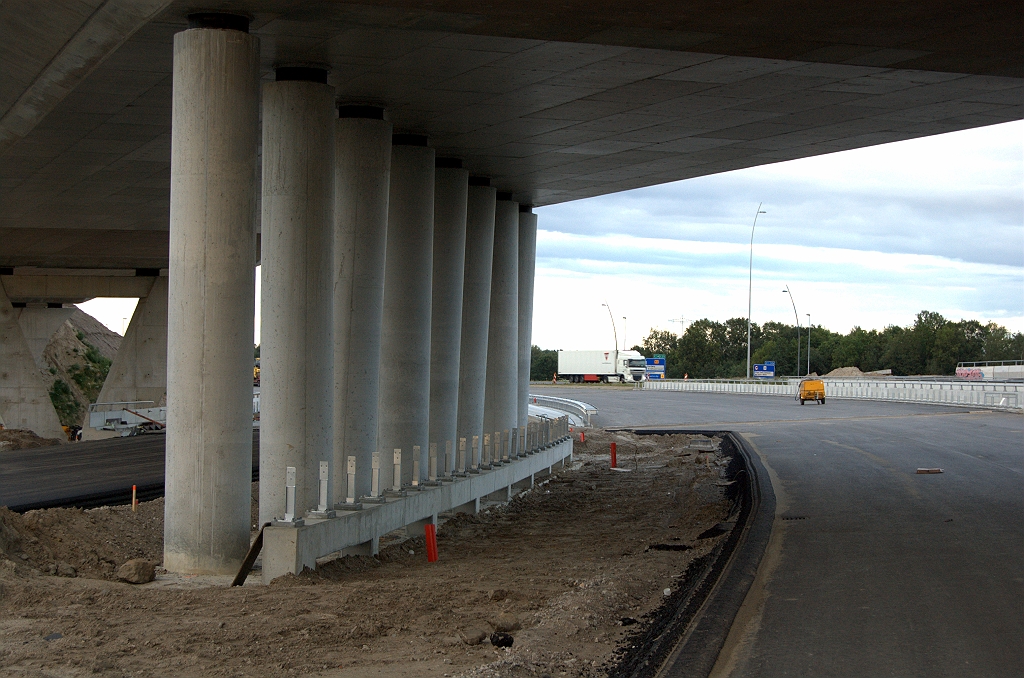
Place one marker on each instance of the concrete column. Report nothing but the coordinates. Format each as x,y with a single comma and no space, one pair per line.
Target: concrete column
24,400
362,177
450,195
527,270
502,391
405,333
211,295
476,308
296,352
139,370
38,325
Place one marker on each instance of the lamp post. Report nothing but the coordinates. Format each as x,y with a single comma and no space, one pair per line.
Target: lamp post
796,370
624,342
750,283
808,342
614,332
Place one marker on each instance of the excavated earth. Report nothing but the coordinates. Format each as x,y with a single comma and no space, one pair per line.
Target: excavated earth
571,570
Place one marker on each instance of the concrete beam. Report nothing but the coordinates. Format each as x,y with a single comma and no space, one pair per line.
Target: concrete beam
73,289
106,29
290,549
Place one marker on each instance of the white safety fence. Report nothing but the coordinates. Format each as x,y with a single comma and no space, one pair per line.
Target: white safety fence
998,395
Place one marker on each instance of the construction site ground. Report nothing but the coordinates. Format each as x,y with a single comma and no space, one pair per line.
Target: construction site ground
570,570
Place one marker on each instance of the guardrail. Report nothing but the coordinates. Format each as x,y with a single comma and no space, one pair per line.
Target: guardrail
1006,395
579,408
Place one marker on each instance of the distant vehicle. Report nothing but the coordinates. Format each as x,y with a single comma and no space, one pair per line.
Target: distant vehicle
602,366
991,370
811,389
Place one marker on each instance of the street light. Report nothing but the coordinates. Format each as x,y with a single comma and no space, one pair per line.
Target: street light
750,283
797,369
614,333
808,342
624,333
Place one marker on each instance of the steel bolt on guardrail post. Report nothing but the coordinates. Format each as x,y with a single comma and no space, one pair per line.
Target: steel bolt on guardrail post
396,484
323,506
449,469
513,444
289,519
506,445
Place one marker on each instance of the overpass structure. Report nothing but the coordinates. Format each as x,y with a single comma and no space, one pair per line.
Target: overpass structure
381,159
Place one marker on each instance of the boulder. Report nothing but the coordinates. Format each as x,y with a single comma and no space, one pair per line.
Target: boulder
136,571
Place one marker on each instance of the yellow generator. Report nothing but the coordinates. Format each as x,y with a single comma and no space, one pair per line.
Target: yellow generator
811,389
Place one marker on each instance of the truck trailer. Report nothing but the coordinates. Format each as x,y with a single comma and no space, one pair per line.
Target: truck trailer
601,366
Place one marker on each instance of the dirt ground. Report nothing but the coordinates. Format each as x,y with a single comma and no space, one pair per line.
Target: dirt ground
567,569
21,439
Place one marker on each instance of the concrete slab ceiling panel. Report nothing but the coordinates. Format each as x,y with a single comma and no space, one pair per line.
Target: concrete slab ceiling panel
498,81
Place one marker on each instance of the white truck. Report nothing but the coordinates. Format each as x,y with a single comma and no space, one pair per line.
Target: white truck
601,366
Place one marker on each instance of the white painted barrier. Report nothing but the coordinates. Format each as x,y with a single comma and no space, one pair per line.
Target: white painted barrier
998,395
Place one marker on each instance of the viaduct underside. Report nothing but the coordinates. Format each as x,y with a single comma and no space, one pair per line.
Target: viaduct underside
381,160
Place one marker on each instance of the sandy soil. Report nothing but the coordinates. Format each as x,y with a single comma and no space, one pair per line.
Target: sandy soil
568,569
21,439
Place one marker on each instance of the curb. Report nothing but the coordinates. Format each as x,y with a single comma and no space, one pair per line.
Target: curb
692,627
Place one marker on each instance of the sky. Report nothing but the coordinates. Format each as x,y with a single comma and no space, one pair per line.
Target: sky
865,238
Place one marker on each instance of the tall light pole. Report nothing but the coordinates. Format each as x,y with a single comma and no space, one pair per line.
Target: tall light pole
624,333
614,332
808,342
795,315
750,283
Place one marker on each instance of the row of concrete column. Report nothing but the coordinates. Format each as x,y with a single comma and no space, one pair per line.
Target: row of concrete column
396,297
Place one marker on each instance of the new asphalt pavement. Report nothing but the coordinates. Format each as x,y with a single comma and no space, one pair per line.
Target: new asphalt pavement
872,569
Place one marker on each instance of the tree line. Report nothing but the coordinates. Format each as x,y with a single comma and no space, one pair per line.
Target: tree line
709,349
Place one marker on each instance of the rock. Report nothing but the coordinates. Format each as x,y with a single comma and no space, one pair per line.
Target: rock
499,639
136,571
66,570
506,623
473,636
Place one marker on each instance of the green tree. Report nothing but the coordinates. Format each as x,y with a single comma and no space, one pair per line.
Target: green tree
543,364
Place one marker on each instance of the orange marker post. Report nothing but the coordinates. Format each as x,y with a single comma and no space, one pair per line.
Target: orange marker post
614,465
430,532
135,501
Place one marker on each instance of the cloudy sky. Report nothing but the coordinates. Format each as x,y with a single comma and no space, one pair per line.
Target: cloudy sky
866,237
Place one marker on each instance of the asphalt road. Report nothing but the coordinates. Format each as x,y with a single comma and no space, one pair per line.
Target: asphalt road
872,569
49,475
